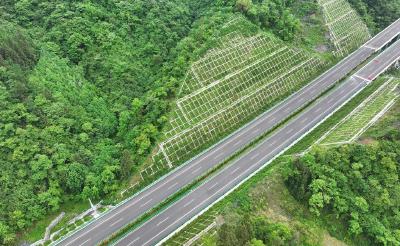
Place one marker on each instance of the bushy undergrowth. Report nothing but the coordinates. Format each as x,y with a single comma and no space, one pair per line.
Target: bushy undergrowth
357,183
85,89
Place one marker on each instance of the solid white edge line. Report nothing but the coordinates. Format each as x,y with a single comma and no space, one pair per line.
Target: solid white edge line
354,111
383,31
255,172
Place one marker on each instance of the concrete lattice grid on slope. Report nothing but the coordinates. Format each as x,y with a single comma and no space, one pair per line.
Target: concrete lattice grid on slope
363,116
149,197
227,87
346,28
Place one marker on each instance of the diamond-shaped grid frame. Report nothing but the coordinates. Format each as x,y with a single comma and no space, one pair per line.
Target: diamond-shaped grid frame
363,116
346,28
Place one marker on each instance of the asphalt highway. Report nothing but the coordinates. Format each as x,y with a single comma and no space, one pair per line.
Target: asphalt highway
166,222
379,64
134,207
381,39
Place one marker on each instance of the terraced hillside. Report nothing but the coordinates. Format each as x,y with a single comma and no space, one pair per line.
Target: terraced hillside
362,117
229,86
346,28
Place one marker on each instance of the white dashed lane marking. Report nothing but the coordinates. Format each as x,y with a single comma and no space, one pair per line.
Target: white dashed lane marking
219,155
116,222
234,171
188,203
254,156
196,170
144,204
212,186
172,186
159,223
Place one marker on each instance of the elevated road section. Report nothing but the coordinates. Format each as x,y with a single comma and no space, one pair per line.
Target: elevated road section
385,36
132,208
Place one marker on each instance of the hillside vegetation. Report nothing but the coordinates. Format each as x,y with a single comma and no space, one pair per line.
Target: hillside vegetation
377,14
359,184
346,195
85,90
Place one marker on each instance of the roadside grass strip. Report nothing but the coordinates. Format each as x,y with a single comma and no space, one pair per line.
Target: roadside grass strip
365,115
203,225
346,28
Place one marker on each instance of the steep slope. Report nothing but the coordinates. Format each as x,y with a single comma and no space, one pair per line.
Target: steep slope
346,28
86,88
230,85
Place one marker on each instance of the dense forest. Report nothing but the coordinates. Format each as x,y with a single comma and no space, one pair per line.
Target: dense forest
377,14
254,231
344,195
85,88
357,183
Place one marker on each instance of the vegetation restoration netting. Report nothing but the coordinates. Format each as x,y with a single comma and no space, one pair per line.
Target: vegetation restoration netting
364,115
228,87
347,29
